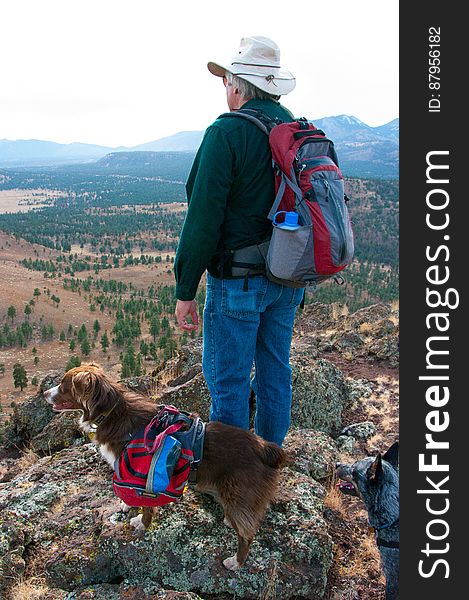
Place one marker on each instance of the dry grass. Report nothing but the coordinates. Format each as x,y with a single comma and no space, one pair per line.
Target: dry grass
27,459
339,310
334,500
25,200
269,592
362,563
365,328
33,588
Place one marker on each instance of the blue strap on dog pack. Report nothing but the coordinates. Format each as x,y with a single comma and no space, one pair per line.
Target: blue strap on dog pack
162,465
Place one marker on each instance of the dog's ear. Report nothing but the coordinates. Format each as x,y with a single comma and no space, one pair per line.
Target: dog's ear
375,470
83,386
392,455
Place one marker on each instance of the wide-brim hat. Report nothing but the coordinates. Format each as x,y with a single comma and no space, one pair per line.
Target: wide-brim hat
257,61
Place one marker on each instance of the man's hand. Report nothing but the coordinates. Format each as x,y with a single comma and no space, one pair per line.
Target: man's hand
184,308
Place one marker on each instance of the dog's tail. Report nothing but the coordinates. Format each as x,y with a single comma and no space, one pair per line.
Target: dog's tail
273,456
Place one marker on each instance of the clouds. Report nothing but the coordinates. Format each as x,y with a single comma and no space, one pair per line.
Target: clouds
116,72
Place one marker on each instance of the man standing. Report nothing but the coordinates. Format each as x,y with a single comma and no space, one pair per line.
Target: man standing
247,318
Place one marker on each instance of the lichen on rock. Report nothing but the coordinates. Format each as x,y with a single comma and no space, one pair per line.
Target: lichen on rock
320,394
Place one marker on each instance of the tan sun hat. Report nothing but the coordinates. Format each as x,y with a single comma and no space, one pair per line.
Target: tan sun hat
258,61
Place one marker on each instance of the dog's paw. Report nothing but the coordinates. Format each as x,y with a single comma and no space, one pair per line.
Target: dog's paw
123,507
136,522
231,563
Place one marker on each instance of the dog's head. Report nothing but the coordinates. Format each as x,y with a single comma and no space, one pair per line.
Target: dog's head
84,388
366,475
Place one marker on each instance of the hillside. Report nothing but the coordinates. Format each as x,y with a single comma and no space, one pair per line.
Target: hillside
364,151
91,262
184,141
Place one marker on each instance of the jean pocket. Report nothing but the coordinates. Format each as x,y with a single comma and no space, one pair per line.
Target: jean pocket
239,303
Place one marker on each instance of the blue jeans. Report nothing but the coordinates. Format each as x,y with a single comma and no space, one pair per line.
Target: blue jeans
242,328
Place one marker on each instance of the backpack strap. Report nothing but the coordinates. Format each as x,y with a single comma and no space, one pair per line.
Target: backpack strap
171,419
291,182
260,119
266,124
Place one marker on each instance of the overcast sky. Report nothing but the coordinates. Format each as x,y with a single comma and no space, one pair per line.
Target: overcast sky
126,72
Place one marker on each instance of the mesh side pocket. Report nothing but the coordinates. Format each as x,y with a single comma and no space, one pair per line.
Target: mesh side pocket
290,254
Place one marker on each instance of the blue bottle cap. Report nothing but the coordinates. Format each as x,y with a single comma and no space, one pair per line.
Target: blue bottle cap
291,219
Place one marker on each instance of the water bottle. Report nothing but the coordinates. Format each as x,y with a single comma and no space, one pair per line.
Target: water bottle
290,220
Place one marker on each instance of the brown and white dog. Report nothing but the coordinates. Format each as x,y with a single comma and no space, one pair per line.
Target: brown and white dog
240,469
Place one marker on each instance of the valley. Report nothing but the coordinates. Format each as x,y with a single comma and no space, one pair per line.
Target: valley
88,254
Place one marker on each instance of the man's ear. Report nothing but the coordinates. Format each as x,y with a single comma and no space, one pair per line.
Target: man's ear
375,470
392,455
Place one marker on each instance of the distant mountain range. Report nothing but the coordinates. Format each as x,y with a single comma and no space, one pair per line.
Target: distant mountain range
363,151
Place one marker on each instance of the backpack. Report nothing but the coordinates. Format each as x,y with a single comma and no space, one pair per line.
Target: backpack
155,465
308,182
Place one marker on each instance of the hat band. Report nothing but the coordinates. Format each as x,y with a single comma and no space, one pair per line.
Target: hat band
256,65
263,76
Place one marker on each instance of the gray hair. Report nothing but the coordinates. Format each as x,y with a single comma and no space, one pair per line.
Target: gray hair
247,89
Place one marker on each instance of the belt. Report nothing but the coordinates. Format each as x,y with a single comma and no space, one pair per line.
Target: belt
250,260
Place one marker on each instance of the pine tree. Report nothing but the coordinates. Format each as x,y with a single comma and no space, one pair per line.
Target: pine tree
85,347
96,328
144,348
104,341
82,333
73,361
20,378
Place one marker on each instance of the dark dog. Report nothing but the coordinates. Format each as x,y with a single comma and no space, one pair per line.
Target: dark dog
238,468
376,482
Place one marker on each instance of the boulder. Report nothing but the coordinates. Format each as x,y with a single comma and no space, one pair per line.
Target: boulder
360,431
30,417
62,431
320,394
312,452
191,395
345,444
368,314
82,539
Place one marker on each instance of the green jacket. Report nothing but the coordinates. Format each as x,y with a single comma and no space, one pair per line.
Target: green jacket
230,191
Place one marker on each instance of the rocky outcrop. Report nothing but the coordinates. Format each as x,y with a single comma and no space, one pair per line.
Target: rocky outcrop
59,517
370,333
30,417
62,512
33,424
